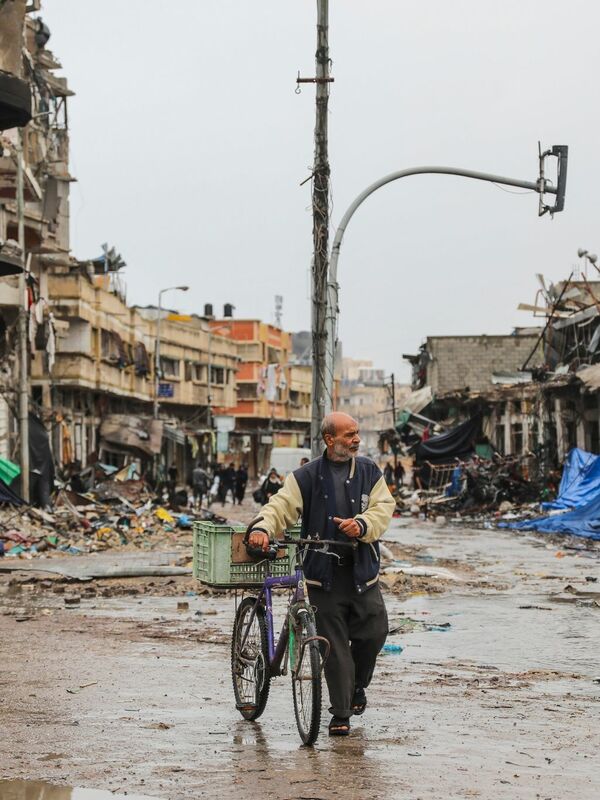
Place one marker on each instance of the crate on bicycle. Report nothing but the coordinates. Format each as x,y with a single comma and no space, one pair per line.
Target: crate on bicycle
220,559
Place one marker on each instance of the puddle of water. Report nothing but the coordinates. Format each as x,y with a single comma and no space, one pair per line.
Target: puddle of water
40,790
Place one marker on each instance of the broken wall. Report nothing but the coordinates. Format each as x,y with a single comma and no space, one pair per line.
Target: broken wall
458,362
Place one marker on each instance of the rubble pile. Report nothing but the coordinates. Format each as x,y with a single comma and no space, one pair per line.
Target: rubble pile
116,514
499,486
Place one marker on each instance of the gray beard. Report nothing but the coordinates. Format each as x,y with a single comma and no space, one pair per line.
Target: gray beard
339,453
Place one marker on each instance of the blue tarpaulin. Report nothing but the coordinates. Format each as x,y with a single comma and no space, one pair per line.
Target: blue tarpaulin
580,481
584,521
579,491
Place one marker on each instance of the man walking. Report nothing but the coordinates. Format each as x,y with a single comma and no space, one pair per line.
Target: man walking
200,484
227,483
339,496
241,481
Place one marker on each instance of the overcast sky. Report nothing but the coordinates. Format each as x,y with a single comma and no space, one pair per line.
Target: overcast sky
189,145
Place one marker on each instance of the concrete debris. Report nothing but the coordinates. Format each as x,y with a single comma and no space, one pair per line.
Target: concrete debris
121,514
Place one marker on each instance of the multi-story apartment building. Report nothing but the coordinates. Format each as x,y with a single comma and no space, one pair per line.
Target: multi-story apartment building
273,394
102,374
41,150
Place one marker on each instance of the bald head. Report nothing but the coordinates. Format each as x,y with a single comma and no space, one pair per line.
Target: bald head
340,434
337,419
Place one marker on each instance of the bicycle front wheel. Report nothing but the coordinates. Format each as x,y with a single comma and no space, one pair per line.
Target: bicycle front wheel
250,659
306,678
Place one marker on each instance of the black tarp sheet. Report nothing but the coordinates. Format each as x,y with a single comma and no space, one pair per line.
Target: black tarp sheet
41,464
457,443
8,496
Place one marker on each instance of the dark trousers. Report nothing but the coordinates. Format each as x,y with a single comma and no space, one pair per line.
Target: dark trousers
356,626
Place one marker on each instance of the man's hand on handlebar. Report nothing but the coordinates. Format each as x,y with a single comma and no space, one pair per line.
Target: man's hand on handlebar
260,540
348,526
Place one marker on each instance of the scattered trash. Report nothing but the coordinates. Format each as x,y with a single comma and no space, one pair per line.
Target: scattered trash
115,512
392,648
81,686
183,605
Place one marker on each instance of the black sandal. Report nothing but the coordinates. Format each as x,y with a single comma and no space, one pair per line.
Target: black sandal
339,726
359,702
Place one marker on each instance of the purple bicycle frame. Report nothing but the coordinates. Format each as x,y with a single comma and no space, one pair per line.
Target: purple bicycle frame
276,652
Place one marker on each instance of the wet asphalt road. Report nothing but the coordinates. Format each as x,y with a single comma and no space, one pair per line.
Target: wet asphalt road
132,696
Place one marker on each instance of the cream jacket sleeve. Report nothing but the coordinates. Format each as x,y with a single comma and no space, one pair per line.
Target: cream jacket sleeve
281,512
376,519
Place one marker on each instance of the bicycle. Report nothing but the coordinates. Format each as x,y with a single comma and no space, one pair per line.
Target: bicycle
256,657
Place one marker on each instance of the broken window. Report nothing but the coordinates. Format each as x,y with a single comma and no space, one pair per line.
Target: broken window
217,376
199,372
516,438
141,359
113,349
533,436
500,439
247,391
169,367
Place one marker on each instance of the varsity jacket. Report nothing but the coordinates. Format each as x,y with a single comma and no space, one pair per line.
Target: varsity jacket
309,493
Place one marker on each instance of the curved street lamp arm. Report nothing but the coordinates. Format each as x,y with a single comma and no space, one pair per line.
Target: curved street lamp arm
540,186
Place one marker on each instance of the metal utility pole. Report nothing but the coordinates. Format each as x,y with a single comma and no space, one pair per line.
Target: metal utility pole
393,395
155,404
22,331
321,393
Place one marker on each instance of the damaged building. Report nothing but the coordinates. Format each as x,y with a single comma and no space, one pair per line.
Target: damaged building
536,389
102,373
90,356
34,158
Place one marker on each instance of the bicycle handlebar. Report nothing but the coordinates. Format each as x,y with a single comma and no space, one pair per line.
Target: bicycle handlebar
271,553
296,542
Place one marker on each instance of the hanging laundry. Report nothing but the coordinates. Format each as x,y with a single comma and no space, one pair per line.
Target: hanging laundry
281,381
262,381
271,388
51,343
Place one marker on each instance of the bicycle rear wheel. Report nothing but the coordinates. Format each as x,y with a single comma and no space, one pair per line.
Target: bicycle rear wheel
250,660
306,678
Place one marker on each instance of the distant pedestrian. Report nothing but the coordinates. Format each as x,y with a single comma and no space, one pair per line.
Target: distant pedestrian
399,474
303,461
241,481
388,473
272,485
200,484
227,483
172,476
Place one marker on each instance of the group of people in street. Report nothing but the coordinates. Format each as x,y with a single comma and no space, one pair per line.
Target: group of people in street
393,474
209,484
220,482
226,479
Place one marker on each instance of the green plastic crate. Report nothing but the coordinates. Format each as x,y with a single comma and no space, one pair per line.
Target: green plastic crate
213,565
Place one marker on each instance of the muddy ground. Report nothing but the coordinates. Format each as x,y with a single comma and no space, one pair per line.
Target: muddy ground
495,695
